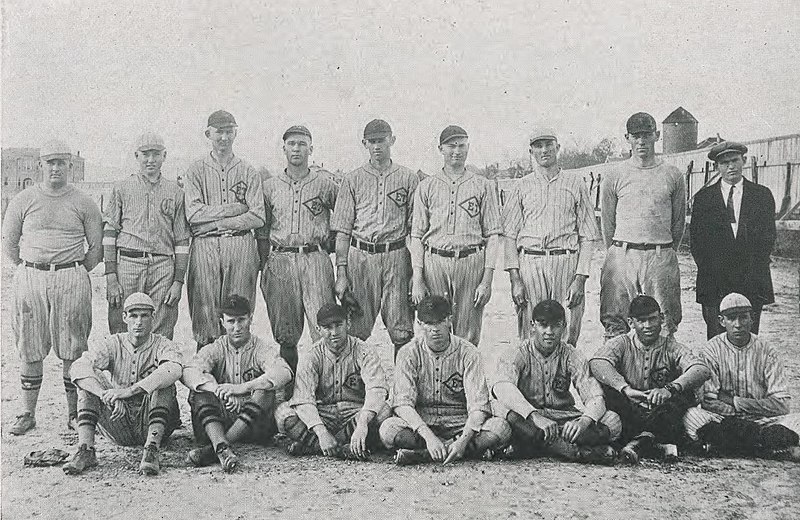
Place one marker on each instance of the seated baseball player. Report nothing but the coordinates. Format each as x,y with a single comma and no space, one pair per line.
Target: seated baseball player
233,382
441,401
650,381
339,396
745,405
137,406
531,388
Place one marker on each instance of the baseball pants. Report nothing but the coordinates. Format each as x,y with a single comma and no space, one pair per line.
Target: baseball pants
447,432
606,430
456,279
152,276
713,326
549,278
219,267
380,283
630,272
664,421
697,417
296,286
51,309
256,413
339,419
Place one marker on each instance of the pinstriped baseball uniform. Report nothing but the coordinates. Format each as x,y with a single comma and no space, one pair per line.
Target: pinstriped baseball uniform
376,207
225,261
293,284
129,365
453,213
548,214
52,308
146,217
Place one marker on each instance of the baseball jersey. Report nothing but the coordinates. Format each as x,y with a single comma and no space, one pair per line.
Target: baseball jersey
643,367
41,226
444,387
752,372
128,364
643,205
455,211
147,216
211,188
353,375
376,206
298,211
544,381
222,362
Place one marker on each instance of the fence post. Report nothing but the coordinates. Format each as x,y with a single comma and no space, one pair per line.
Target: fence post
705,174
689,181
754,163
787,191
597,197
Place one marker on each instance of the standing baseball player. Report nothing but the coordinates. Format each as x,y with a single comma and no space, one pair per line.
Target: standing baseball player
224,203
44,231
440,396
745,406
643,212
372,220
340,394
146,239
137,406
232,383
532,391
297,275
550,234
455,236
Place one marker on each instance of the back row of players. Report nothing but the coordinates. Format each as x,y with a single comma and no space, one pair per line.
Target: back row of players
395,234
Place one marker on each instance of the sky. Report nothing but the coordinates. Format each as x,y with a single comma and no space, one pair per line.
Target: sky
98,75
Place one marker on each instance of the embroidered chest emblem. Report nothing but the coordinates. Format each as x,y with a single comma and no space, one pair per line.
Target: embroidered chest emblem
399,197
251,374
471,206
315,206
354,382
167,207
239,190
659,377
455,383
561,383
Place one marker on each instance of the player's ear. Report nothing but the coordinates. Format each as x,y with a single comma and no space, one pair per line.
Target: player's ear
658,135
392,140
365,143
721,321
208,133
310,148
164,154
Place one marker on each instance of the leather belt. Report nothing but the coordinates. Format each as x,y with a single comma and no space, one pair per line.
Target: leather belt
458,253
546,252
308,248
50,267
369,247
138,254
640,247
239,233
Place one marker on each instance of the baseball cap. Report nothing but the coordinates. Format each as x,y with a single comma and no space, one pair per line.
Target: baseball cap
734,301
726,147
542,133
377,128
138,300
235,305
549,311
643,305
296,129
150,141
55,150
221,119
640,122
331,313
433,309
451,132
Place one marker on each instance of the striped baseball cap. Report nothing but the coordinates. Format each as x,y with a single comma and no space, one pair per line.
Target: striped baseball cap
150,141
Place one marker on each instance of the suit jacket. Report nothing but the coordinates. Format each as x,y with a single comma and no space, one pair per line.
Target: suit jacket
726,264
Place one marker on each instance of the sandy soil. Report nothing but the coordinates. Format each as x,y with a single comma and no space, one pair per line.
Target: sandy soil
271,484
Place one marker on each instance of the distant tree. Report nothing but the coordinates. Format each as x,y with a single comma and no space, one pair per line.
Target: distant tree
580,157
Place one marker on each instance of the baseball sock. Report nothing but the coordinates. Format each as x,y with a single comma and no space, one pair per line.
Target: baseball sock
294,428
70,391
87,422
31,381
243,424
157,425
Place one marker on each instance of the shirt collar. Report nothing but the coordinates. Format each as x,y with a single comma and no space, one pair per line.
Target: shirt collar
211,161
345,352
660,342
450,178
288,180
374,171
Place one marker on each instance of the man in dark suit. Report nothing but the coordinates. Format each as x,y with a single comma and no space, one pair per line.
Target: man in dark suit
732,234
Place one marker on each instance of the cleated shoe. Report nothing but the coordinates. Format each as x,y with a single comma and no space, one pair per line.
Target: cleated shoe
85,458
24,423
406,457
604,455
150,464
227,458
201,457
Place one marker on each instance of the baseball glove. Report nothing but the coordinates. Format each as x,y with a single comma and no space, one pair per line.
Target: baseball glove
44,458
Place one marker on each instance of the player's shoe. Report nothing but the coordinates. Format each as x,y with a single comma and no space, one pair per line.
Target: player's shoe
777,437
227,458
200,457
24,423
669,452
85,458
150,464
406,457
602,454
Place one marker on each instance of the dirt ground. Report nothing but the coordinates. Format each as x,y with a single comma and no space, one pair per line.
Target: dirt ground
270,484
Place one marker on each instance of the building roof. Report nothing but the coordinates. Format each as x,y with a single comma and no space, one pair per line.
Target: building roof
680,115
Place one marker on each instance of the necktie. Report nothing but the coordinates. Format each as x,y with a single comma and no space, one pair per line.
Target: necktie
731,213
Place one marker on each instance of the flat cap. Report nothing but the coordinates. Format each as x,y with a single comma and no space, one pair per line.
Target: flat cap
640,122
377,128
55,150
539,133
734,301
331,313
726,147
138,300
221,119
433,309
296,129
235,305
150,141
452,132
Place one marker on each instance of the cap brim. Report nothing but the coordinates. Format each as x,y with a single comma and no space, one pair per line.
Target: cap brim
728,151
151,147
457,136
545,137
142,307
737,308
55,156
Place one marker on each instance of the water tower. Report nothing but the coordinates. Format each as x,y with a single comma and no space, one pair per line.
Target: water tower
679,131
